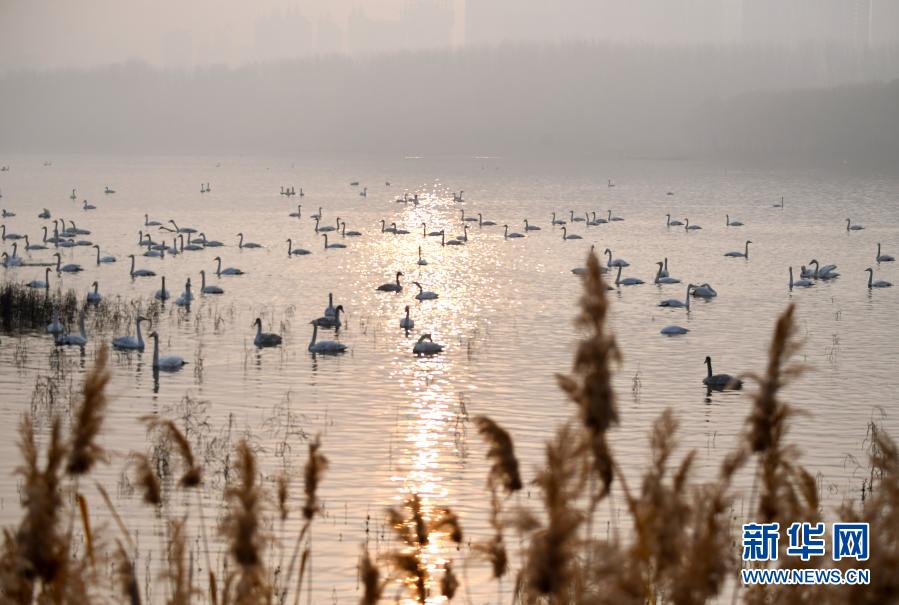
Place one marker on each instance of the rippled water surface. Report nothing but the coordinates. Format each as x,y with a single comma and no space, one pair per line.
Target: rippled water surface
393,423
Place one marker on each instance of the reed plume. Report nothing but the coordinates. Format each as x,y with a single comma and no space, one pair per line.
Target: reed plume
84,452
372,585
501,452
193,473
315,468
147,480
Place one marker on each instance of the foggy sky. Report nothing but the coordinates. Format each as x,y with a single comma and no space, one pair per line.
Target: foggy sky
42,34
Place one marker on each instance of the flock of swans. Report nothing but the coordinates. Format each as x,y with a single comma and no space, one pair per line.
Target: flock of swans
173,240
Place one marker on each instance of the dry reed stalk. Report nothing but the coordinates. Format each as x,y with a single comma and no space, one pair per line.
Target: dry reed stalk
86,524
147,480
126,575
371,580
193,473
501,452
84,452
283,486
178,572
314,470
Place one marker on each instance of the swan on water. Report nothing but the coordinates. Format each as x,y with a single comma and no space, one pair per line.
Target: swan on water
467,219
396,231
334,245
298,213
614,218
167,363
37,283
45,214
30,246
720,381
673,330
424,231
731,223
210,243
204,289
690,227
407,323
132,343
627,281
664,279
704,291
572,236
881,258
452,242
295,251
514,234
851,227
9,235
55,326
346,233
424,294
326,228
876,284
162,294
823,272
800,283
392,286
182,229
87,206
528,227
70,268
483,223
615,262
330,321
186,297
573,218
103,259
10,261
738,254
421,261
227,271
191,247
76,340
73,196
108,190
149,223
330,310
426,346
779,204
324,346
242,244
265,339
94,296
673,302
318,215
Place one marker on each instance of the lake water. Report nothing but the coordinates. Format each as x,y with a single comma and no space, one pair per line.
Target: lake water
392,423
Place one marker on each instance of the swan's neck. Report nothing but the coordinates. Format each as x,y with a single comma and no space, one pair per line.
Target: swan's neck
791,278
258,328
870,278
618,277
155,351
314,335
708,364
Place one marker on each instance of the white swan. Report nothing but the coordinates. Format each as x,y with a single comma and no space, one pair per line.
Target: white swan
131,343
664,272
70,268
426,346
326,228
5,235
627,281
514,234
720,381
103,259
162,294
483,223
731,223
424,231
204,289
168,363
329,347
424,294
469,219
673,330
573,218
75,340
599,221
826,272
881,258
182,229
94,296
572,236
330,321
392,286
73,196
452,242
298,213
528,227
149,223
407,323
30,246
265,339
780,204
690,227
876,284
346,233
227,271
55,326
87,206
108,190
210,243
421,261
615,262
663,279
614,218
37,283
10,261
190,247
738,254
242,244
800,283
334,245
186,297
330,310
318,215
295,251
673,302
704,291
45,214
851,227
396,231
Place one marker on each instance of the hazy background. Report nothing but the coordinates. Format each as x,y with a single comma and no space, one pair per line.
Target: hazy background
660,78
